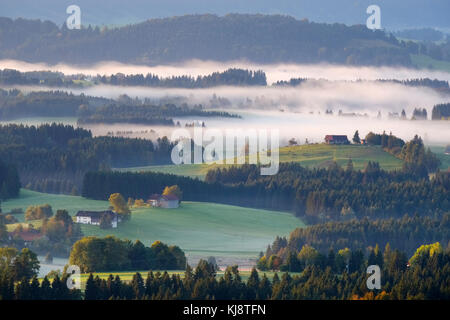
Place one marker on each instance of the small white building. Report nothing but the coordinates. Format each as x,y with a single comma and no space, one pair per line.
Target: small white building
94,217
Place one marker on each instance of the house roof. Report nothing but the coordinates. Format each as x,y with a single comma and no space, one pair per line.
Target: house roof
169,197
336,137
94,214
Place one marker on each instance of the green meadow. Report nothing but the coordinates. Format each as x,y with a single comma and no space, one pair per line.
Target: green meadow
440,153
201,229
313,155
423,61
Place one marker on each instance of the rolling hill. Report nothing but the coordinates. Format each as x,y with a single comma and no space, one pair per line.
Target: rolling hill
231,234
314,155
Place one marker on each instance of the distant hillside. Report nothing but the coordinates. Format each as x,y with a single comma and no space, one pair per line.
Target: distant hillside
311,156
395,13
258,38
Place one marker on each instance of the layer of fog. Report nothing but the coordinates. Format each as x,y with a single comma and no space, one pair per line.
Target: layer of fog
301,126
274,72
312,96
296,111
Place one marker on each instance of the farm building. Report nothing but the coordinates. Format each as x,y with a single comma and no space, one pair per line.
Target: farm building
336,139
154,200
164,201
94,217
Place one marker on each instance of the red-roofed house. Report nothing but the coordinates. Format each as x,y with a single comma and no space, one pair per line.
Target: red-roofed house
336,139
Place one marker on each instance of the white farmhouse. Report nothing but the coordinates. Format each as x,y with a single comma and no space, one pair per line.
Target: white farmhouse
94,217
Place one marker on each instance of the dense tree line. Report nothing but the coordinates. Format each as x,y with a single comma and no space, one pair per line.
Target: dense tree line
319,282
259,38
15,104
440,85
93,254
43,78
54,158
322,194
405,234
229,77
9,181
145,114
441,112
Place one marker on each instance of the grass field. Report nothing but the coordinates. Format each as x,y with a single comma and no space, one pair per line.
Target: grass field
440,153
423,61
231,234
314,155
206,229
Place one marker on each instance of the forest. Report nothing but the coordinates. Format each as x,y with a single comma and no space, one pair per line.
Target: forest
53,158
316,195
229,77
401,279
145,114
9,181
406,234
257,38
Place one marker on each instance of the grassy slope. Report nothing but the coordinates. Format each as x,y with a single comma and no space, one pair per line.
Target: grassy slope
316,155
201,229
423,61
440,153
206,228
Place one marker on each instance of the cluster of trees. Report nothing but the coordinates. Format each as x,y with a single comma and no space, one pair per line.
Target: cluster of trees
38,212
120,206
405,234
259,38
332,193
419,114
9,181
55,235
44,78
15,104
54,158
144,114
230,77
329,273
441,112
439,85
93,254
19,281
416,157
389,143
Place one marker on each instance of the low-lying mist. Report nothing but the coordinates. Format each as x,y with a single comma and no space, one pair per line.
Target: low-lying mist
274,72
296,111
